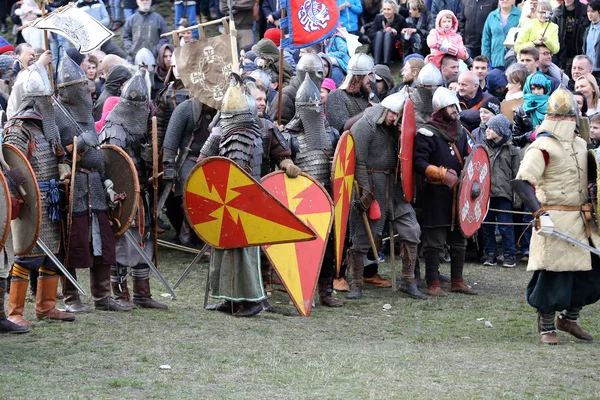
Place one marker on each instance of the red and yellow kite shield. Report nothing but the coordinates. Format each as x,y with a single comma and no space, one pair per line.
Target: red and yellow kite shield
342,176
299,264
407,145
228,209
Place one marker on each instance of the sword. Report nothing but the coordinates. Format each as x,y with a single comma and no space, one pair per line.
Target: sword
569,239
149,262
189,268
62,268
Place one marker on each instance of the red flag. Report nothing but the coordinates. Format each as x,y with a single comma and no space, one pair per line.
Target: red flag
308,21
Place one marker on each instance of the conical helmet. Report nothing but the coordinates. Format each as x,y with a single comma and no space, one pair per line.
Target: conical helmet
68,72
562,104
145,56
444,97
308,94
37,83
360,64
430,76
234,101
135,88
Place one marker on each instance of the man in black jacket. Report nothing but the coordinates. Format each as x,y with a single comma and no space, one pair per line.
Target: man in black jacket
571,18
472,20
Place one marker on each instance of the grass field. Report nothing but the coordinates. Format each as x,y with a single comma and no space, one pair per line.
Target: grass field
417,349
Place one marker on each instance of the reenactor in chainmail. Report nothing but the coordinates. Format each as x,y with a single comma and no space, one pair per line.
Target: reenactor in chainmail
186,133
428,80
376,137
238,137
33,131
312,152
127,127
346,104
309,64
90,242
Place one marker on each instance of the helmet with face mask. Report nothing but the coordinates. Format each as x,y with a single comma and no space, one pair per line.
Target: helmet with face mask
312,65
145,57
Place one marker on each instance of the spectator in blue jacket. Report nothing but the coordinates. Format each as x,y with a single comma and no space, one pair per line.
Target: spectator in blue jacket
349,12
496,27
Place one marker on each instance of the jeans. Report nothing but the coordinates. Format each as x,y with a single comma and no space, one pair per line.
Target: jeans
181,10
115,9
507,231
128,12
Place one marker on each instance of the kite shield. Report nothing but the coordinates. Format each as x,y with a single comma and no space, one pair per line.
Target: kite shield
407,145
229,209
342,176
5,209
474,191
120,170
299,264
26,228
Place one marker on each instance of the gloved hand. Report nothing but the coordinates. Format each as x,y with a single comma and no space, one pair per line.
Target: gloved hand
64,171
111,195
362,205
544,225
445,46
450,178
169,174
435,174
453,50
291,170
469,62
15,207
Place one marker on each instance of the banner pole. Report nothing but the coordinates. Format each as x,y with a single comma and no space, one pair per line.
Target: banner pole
280,85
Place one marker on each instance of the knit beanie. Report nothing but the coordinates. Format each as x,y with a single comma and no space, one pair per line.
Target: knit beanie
6,63
491,104
75,55
5,46
328,84
501,125
274,34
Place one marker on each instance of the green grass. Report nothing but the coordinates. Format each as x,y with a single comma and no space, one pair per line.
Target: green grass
417,349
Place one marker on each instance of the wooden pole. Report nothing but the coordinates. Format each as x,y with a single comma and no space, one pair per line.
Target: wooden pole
155,185
392,258
280,85
47,47
367,226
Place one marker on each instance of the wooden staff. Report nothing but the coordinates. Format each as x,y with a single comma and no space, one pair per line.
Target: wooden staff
367,226
280,85
392,258
71,195
47,46
155,186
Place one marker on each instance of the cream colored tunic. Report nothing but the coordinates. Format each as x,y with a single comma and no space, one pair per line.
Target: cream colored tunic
563,181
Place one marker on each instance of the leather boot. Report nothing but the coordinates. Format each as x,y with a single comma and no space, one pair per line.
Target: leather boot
572,327
249,309
341,285
407,280
355,262
100,288
121,293
71,298
434,289
388,47
459,286
45,300
16,302
325,290
377,47
549,338
7,326
142,297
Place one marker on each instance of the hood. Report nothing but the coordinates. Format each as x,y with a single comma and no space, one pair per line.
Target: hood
326,57
383,71
266,49
117,75
442,14
161,68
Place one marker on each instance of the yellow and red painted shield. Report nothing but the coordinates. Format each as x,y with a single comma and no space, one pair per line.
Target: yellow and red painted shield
227,208
342,177
299,264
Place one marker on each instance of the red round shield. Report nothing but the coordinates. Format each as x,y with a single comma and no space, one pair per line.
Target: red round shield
407,144
474,191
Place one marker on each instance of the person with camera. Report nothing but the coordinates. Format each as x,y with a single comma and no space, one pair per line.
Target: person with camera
539,31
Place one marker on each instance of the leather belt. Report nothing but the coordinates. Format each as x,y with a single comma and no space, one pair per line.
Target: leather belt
586,209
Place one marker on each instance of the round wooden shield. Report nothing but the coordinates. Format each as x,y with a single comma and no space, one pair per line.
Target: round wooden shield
5,209
227,208
474,191
119,168
299,264
26,228
342,177
407,145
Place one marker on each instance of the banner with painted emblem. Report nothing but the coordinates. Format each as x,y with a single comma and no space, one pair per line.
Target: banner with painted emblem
204,67
227,208
81,29
299,264
308,21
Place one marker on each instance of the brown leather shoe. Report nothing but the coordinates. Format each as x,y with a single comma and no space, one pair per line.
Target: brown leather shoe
435,290
378,281
329,301
573,328
461,287
341,285
549,338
